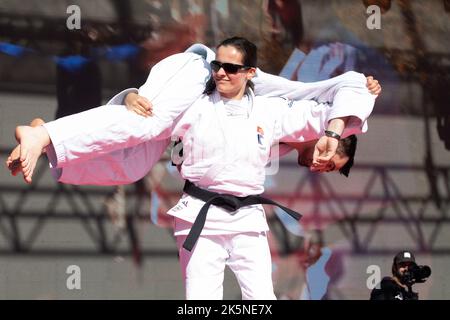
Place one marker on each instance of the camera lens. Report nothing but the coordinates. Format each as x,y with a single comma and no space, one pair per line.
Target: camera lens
420,272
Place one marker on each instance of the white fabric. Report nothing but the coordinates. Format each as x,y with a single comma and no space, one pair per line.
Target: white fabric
203,51
218,221
210,137
321,91
118,167
237,108
246,254
119,99
101,130
240,148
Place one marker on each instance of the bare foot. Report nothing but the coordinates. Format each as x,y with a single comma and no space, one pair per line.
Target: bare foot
36,122
13,162
32,141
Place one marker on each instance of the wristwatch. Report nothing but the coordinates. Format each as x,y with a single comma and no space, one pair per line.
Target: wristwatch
332,134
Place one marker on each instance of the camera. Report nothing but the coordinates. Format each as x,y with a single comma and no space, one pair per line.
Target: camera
416,274
405,273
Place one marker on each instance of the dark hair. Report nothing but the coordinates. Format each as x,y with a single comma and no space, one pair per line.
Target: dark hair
394,269
249,52
347,147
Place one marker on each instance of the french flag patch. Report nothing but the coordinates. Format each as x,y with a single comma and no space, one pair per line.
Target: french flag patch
260,136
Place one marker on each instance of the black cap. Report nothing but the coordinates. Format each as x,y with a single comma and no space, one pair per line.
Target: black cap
404,256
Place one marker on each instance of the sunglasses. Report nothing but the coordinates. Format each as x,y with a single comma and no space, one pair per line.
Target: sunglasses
227,67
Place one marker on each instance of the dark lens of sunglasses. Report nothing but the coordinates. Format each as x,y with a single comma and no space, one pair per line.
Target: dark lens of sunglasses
230,68
215,66
227,67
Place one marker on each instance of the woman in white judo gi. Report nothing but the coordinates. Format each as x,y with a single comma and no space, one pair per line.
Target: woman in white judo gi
227,135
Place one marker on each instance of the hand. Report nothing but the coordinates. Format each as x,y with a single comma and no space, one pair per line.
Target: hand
373,85
324,150
138,104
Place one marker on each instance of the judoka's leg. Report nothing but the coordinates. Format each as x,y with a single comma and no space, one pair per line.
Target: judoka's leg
203,268
173,85
322,91
32,141
251,262
13,161
119,167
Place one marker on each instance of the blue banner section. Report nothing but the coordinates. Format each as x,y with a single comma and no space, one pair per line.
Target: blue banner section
76,62
13,49
71,63
121,52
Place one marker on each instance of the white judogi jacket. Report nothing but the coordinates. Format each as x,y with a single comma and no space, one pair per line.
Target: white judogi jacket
228,154
117,142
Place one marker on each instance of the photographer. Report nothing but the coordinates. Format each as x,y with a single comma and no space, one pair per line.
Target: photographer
405,272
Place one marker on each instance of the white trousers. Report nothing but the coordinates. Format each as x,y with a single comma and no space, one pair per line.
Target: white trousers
247,255
115,168
172,86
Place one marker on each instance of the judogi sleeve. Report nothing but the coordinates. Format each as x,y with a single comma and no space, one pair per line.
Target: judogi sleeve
307,120
120,97
172,86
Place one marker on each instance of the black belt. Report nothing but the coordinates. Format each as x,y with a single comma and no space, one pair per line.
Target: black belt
226,201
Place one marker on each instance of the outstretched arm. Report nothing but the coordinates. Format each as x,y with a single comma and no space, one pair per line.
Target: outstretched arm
307,120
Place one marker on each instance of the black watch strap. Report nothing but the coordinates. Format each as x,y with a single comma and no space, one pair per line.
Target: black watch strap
332,134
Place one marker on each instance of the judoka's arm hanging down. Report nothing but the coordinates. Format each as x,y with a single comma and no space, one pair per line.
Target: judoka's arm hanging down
307,120
326,146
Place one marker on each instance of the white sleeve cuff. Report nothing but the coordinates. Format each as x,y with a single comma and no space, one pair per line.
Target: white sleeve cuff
120,97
